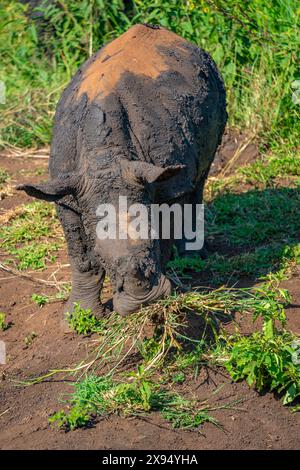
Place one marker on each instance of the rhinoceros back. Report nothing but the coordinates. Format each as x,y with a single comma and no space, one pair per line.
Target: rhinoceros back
148,95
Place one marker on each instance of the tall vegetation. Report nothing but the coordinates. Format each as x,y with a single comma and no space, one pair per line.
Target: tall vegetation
255,43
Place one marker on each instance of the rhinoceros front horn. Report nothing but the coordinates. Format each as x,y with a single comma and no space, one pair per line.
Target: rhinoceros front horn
139,173
51,190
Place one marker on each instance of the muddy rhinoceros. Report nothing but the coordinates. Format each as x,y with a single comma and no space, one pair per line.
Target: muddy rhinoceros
142,118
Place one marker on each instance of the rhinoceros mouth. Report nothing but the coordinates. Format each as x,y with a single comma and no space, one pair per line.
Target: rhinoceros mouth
125,303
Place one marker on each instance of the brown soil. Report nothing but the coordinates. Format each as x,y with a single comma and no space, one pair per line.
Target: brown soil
260,422
237,149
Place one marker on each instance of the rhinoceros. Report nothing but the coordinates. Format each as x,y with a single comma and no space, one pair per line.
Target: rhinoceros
142,118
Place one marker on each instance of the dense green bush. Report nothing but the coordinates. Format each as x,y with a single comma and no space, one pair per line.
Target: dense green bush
256,44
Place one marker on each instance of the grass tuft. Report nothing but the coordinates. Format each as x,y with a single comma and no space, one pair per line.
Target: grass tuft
3,324
32,235
83,321
102,396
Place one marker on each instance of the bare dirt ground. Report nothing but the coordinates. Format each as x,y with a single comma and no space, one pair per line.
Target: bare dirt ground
261,422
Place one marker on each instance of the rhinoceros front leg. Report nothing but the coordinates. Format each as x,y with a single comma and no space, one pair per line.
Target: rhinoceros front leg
86,288
87,273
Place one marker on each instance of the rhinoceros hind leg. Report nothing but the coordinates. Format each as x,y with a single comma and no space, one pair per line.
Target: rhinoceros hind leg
195,198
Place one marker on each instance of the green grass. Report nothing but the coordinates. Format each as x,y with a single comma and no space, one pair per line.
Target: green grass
255,232
33,82
102,396
255,217
272,258
32,236
273,170
266,363
255,44
83,321
63,293
34,256
183,265
268,359
262,225
40,299
3,324
267,170
31,223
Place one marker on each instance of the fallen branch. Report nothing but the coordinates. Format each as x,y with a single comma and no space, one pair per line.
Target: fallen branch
236,155
28,277
15,152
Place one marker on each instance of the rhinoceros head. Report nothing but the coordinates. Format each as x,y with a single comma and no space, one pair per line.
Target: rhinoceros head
133,264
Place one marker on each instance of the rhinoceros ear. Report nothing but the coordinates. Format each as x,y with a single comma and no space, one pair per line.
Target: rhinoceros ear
51,190
139,173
